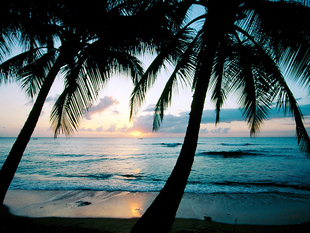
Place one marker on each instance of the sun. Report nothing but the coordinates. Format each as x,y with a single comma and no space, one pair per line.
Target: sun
136,134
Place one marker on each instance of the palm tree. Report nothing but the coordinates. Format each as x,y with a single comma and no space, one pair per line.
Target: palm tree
87,57
38,67
35,68
243,46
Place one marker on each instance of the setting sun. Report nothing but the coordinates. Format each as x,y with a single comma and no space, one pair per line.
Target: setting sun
136,134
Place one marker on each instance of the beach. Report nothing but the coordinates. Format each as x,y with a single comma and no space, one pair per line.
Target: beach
118,211
105,185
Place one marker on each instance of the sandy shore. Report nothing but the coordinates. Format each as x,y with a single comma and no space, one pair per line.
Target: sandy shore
117,211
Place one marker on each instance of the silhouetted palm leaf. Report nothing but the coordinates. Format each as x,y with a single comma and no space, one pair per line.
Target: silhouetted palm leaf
283,33
28,69
170,54
85,80
183,74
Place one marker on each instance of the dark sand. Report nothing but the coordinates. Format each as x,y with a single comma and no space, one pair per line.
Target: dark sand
99,211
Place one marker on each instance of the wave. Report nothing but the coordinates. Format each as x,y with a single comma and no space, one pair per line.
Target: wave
168,144
70,155
192,187
230,154
263,184
87,176
131,176
102,176
237,144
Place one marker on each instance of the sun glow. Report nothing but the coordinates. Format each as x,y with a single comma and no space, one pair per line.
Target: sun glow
136,134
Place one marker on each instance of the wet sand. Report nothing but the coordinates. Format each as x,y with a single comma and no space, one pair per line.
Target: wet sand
118,211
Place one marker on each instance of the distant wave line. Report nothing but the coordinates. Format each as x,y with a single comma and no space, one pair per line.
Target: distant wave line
168,144
91,176
230,154
262,184
237,144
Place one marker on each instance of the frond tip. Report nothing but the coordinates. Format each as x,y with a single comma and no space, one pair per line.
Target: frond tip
303,140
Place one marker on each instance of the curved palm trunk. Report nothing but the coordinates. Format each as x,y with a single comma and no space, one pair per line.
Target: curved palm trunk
10,165
160,216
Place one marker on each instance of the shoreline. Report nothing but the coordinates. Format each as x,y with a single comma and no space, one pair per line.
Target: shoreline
117,212
254,209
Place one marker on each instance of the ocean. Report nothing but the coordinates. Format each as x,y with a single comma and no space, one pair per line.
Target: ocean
222,165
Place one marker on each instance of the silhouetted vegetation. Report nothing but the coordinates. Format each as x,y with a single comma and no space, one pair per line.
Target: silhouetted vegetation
241,47
86,43
244,47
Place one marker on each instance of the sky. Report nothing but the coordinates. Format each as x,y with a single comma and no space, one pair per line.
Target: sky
109,116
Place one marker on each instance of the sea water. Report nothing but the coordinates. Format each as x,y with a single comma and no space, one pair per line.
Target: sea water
222,165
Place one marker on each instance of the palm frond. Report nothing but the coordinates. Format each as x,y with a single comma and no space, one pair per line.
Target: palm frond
169,54
218,80
127,64
32,76
84,79
182,74
252,84
288,103
286,100
71,105
9,69
283,28
6,42
28,69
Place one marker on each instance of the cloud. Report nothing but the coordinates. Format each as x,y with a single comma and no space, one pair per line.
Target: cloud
99,129
230,115
177,124
149,108
111,129
124,129
86,130
51,99
220,131
141,123
173,124
115,112
104,104
226,116
204,131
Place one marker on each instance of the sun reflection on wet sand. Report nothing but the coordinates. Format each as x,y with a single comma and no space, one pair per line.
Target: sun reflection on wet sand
68,203
135,209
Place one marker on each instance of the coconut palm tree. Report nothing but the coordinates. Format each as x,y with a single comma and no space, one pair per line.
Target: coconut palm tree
37,68
27,24
243,47
87,56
